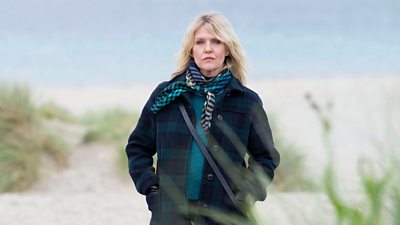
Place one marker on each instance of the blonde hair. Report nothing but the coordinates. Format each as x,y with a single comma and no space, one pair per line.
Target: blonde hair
220,27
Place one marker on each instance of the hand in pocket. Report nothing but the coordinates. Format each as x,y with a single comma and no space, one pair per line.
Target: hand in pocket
153,201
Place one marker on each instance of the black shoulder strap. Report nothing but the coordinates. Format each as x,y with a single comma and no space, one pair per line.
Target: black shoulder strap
206,154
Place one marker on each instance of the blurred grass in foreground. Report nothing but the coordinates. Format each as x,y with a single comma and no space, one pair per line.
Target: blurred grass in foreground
378,202
111,126
23,141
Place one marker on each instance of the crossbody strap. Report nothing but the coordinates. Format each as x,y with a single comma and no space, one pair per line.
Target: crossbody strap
206,154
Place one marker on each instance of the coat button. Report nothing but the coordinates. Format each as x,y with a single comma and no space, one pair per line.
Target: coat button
219,117
215,148
210,177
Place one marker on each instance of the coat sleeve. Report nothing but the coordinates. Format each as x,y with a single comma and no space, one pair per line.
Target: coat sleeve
141,147
264,158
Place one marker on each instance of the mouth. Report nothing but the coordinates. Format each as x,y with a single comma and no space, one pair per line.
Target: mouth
208,58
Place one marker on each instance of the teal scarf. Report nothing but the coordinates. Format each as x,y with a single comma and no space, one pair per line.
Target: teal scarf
195,82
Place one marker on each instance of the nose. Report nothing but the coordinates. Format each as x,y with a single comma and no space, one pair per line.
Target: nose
208,47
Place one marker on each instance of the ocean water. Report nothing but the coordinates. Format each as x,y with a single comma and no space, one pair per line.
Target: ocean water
101,42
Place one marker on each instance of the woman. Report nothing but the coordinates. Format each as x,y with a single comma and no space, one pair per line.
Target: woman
228,117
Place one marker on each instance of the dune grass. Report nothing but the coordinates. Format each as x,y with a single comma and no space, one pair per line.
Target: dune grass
110,126
52,111
23,142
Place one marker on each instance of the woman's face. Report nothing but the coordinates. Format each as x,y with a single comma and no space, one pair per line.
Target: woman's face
208,52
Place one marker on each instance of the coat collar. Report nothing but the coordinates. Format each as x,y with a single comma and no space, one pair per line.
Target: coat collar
233,85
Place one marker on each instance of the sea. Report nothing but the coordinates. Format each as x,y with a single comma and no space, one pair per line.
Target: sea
85,43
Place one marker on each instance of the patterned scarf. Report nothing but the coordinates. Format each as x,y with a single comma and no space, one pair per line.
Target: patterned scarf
195,82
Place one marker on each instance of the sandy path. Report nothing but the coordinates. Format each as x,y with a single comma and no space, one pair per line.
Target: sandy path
88,192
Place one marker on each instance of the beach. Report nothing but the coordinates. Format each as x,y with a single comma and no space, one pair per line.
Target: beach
89,191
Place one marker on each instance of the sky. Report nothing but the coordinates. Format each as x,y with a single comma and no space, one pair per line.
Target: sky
56,42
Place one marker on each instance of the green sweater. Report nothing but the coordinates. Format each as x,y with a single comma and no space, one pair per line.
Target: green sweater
196,158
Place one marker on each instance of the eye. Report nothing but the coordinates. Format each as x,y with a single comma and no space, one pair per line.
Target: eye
199,42
216,41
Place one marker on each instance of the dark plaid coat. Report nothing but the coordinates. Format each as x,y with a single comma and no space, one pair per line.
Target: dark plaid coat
239,124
